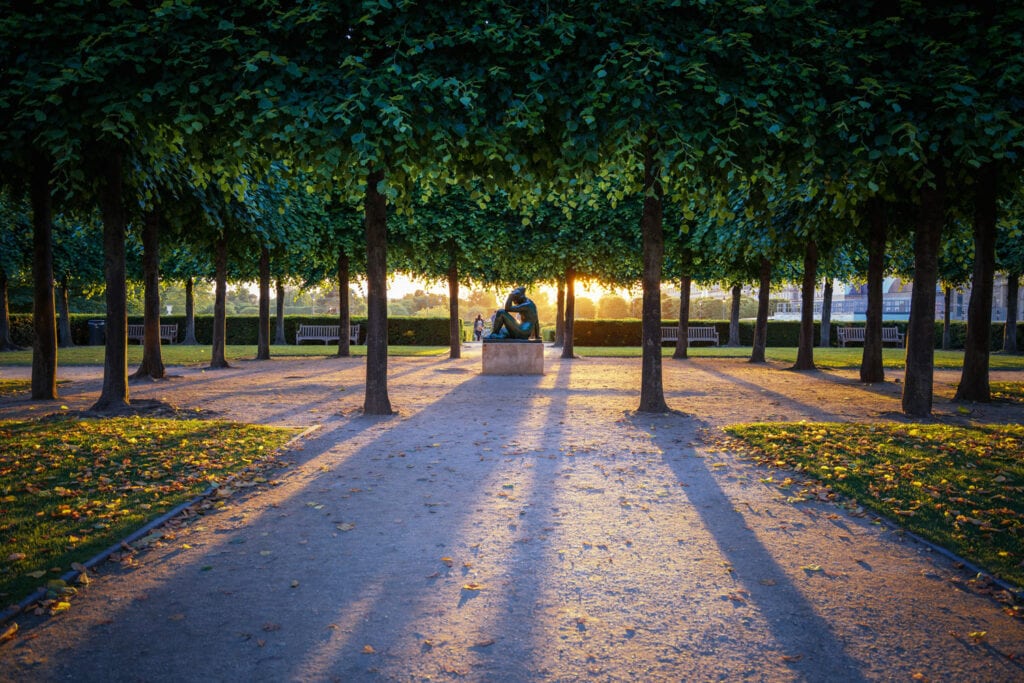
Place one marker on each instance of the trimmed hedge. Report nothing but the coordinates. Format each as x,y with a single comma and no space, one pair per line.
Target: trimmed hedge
244,329
781,333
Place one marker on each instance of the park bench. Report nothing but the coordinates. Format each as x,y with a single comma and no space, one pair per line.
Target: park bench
325,333
890,335
168,332
694,334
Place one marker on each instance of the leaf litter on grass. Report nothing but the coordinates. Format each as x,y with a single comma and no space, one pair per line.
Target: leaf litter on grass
957,486
71,487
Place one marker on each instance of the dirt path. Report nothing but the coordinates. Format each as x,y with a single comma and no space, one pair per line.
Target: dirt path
523,529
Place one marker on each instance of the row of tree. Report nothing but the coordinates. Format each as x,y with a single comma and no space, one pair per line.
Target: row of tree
521,141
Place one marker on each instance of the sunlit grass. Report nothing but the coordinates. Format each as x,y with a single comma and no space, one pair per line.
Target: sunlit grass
825,358
1008,391
959,487
179,354
70,488
10,387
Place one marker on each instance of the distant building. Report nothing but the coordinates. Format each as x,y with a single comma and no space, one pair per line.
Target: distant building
850,302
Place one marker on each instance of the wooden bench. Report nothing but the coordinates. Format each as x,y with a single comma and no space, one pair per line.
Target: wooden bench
890,335
694,334
167,332
325,333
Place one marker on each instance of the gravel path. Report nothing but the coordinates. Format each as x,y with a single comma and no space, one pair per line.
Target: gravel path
523,529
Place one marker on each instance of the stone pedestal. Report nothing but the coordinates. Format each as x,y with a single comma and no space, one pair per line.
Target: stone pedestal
520,357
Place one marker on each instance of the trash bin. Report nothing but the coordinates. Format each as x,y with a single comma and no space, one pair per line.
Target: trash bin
97,332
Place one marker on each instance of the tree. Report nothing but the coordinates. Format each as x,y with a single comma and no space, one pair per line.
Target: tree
152,365
15,246
974,384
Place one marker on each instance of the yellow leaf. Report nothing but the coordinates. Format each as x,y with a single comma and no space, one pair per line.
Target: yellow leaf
472,586
812,568
368,650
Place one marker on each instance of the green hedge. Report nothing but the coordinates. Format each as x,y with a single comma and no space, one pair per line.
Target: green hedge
781,333
244,329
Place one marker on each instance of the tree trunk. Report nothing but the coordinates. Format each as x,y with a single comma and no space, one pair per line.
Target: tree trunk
947,333
683,330
344,310
376,401
454,326
44,341
652,394
919,379
560,314
974,378
6,343
263,332
64,339
734,316
190,314
1012,294
805,348
872,368
280,338
825,340
114,394
152,365
764,295
568,333
220,318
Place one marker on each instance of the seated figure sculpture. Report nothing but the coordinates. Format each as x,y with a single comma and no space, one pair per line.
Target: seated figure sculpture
507,326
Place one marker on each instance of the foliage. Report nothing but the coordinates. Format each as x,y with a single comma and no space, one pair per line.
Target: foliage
959,487
70,488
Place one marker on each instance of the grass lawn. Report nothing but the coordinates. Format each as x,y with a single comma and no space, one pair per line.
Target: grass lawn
830,358
1008,391
959,487
71,488
178,354
10,387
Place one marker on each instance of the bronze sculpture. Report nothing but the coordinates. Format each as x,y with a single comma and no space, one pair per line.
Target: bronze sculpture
507,326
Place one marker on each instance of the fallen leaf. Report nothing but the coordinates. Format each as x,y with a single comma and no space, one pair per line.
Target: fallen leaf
447,561
368,650
812,568
484,643
9,632
345,526
472,586
792,658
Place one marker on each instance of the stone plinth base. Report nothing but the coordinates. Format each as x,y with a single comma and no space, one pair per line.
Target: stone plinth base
513,357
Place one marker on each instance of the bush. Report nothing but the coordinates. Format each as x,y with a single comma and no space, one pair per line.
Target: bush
243,329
